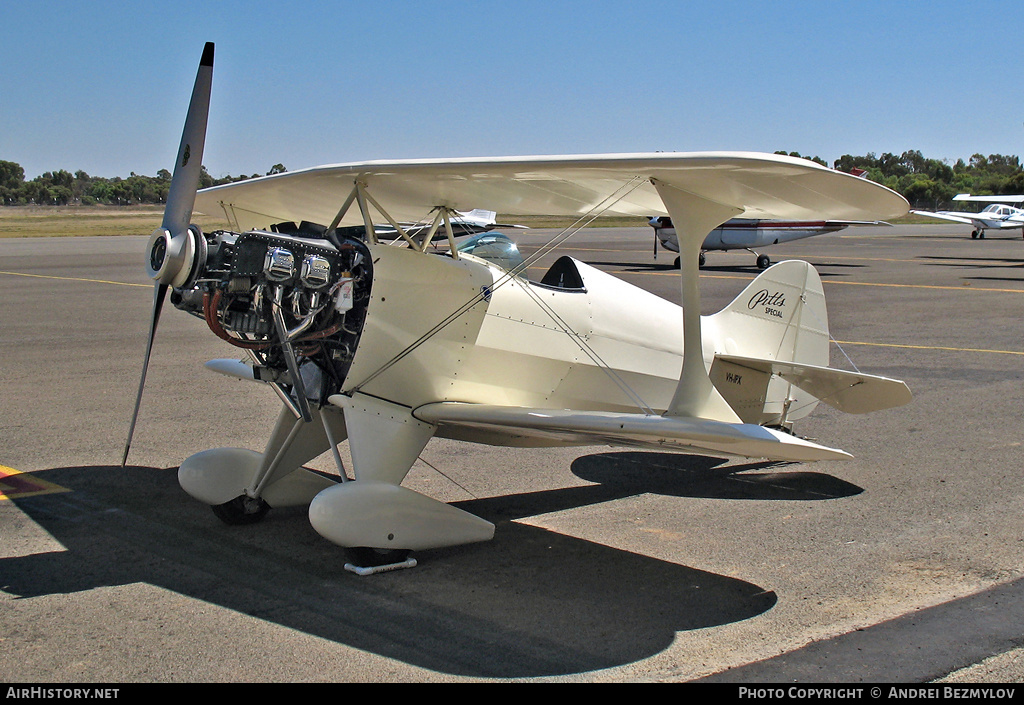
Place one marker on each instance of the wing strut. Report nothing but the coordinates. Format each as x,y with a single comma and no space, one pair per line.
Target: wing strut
694,217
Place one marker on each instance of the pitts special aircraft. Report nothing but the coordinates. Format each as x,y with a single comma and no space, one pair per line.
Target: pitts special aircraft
998,216
389,344
748,233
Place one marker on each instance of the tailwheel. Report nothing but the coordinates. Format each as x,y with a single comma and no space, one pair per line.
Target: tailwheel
241,510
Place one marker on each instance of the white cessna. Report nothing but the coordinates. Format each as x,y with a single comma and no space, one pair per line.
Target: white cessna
998,216
750,233
388,346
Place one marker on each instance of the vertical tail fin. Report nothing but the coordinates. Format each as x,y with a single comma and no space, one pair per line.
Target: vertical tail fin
780,316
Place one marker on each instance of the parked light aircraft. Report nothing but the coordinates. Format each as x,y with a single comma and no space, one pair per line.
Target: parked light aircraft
472,222
387,346
746,234
998,216
469,223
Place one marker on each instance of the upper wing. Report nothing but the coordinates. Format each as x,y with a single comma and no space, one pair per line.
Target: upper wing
762,185
674,433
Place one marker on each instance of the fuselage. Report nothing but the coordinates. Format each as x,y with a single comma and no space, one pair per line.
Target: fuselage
741,233
1000,216
440,329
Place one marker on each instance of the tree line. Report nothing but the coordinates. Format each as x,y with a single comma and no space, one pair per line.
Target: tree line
931,183
62,188
925,183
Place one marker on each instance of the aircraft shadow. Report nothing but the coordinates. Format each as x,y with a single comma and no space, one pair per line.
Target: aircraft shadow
982,261
979,263
530,603
678,475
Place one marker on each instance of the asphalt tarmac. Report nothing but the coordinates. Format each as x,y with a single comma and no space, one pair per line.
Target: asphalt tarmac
902,565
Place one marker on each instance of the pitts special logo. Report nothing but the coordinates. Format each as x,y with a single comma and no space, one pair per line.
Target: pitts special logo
771,302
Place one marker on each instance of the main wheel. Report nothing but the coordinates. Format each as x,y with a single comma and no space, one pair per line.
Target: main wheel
241,510
763,262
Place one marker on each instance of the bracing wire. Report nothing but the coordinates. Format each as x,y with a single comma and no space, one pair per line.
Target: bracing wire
560,238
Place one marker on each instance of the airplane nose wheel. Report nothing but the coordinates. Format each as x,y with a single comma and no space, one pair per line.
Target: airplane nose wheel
241,510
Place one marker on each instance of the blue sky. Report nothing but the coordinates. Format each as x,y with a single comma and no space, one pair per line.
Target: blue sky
103,86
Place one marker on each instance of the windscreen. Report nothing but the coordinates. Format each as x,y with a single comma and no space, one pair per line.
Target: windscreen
495,248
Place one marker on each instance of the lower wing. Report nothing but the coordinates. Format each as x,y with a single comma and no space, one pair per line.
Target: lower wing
672,433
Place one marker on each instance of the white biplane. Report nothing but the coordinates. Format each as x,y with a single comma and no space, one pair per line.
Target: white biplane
750,233
387,345
998,216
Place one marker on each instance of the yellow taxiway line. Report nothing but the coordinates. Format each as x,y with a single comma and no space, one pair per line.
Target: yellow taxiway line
72,279
931,347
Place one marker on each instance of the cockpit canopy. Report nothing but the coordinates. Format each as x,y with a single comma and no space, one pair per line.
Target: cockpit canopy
1001,210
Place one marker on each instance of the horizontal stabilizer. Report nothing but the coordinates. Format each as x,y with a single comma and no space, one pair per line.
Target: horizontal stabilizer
850,392
666,433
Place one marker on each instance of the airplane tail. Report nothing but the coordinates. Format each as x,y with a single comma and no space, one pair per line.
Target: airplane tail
771,353
780,316
484,216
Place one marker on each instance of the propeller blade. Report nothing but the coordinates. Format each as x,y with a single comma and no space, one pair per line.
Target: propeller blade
181,197
159,293
173,247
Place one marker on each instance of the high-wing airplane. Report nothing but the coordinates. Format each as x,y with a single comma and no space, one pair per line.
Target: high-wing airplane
998,216
750,233
388,344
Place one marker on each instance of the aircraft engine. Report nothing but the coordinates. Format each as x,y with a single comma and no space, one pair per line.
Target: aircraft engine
296,301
